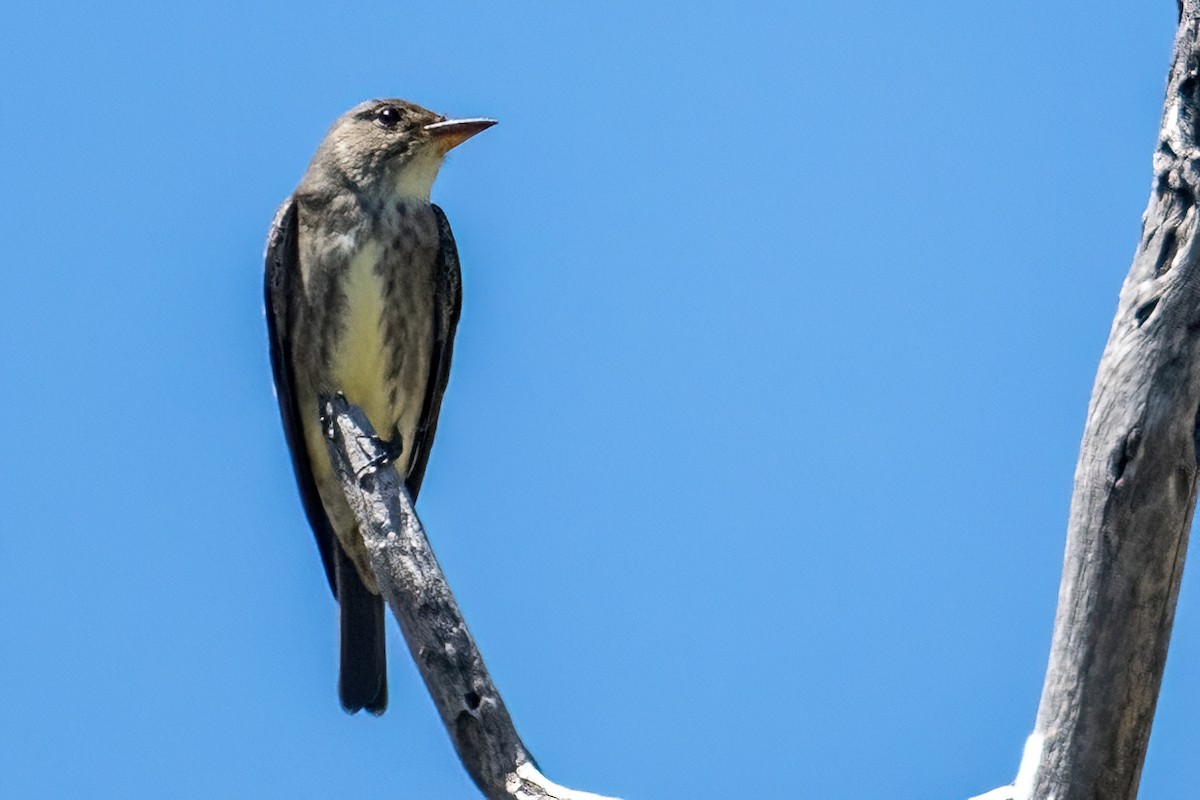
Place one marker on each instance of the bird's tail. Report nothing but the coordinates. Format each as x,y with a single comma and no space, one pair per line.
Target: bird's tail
362,682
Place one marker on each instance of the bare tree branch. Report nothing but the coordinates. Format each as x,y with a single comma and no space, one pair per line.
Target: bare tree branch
412,582
1135,490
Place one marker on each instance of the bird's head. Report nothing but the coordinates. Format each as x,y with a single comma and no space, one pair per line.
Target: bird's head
392,146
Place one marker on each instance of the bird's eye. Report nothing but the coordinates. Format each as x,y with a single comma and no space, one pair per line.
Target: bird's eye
388,116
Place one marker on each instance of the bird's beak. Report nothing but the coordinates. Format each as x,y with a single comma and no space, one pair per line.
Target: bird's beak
450,133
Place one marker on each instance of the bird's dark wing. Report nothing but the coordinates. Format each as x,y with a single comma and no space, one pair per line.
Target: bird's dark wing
363,677
282,293
447,306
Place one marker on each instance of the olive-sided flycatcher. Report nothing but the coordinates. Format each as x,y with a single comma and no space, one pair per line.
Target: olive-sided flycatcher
363,295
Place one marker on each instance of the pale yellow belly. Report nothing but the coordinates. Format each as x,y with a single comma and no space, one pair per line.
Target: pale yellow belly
364,365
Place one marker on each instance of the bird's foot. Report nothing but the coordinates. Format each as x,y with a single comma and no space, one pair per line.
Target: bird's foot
387,451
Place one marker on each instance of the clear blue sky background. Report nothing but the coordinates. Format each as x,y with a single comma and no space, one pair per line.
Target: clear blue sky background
752,477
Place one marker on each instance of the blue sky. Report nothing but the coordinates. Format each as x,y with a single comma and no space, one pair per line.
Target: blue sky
780,324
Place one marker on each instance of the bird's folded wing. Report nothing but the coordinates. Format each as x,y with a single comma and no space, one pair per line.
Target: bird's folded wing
282,270
447,307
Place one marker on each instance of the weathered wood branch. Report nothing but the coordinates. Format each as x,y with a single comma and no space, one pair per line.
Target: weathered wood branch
1135,489
412,582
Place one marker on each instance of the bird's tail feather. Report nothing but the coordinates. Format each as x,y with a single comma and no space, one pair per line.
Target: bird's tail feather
362,682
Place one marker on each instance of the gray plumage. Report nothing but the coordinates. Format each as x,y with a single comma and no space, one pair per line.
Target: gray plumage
363,293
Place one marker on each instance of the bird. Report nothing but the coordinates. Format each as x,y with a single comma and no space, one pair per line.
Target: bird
363,293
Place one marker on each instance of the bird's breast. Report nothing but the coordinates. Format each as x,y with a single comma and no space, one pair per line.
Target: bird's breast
361,358
381,357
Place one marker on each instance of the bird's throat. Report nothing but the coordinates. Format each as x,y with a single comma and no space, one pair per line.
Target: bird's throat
414,179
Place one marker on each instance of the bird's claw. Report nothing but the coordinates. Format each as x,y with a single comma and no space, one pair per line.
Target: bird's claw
387,451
